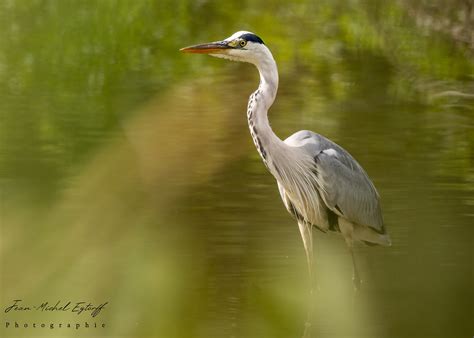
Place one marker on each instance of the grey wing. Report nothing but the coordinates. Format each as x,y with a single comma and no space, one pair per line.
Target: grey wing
342,183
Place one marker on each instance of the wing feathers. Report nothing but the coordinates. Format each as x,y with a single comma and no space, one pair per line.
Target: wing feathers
342,183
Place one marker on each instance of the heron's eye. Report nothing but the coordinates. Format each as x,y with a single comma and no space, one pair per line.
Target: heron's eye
242,43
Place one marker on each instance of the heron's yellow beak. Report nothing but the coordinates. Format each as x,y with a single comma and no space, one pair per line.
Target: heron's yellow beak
218,47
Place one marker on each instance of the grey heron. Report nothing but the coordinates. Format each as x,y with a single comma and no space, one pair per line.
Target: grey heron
320,183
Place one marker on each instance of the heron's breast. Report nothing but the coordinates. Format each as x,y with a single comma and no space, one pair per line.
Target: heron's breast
310,207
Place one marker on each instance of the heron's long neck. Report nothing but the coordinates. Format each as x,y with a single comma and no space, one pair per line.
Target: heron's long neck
260,101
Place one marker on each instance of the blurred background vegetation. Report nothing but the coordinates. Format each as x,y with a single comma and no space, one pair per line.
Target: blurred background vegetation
127,173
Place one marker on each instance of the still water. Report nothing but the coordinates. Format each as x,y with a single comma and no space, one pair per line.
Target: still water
128,175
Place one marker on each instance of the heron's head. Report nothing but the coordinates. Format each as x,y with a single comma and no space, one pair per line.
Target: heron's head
241,46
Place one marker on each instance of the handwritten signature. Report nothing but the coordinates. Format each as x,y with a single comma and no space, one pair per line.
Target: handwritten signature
60,306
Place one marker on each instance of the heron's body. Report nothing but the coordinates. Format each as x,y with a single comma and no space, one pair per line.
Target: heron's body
336,176
320,183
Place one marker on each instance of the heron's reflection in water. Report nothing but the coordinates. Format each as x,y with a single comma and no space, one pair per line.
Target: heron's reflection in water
307,333
333,307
